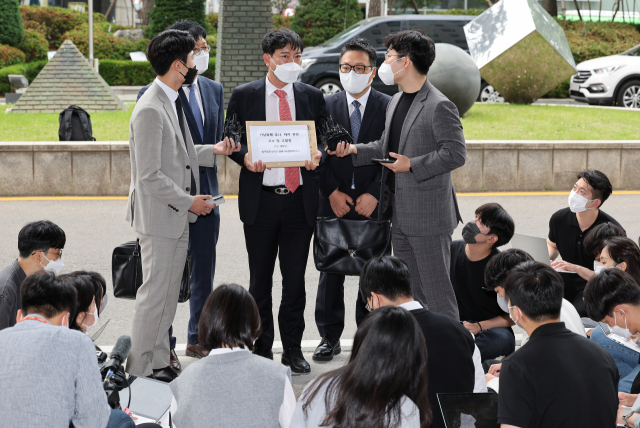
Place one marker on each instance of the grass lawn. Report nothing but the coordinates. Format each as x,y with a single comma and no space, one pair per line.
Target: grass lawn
482,122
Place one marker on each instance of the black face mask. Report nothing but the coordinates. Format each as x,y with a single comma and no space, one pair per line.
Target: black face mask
190,76
469,232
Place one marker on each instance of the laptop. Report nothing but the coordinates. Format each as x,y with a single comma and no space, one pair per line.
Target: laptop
150,399
618,339
469,410
535,246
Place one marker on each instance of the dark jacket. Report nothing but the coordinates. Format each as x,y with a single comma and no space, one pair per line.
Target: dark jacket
11,278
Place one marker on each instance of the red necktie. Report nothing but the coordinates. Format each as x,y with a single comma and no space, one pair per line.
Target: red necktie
291,175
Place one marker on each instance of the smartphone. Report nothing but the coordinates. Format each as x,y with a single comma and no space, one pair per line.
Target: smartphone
218,200
383,160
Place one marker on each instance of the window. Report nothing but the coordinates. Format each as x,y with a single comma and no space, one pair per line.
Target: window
451,32
378,32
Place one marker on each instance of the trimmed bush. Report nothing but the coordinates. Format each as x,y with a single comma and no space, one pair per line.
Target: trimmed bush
34,45
318,20
105,45
133,73
30,71
281,21
212,23
10,55
11,31
57,21
166,12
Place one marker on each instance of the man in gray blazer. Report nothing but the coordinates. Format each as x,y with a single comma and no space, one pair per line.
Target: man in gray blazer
163,198
423,138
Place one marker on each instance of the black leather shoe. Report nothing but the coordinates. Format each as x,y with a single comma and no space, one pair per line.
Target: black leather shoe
166,374
293,358
266,353
327,348
174,361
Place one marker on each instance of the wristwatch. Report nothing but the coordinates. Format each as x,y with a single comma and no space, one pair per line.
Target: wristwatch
626,416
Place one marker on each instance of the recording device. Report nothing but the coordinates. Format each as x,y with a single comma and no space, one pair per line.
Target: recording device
233,129
383,160
332,133
113,377
215,200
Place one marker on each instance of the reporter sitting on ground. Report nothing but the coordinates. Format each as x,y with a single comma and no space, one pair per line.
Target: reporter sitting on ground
558,379
596,239
100,286
454,360
50,375
383,385
229,326
85,316
494,276
40,247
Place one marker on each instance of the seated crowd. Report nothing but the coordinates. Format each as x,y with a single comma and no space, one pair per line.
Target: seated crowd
403,354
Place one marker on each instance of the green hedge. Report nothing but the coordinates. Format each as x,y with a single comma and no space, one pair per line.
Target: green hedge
133,73
30,71
10,56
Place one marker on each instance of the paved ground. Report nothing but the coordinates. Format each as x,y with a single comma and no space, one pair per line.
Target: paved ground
94,228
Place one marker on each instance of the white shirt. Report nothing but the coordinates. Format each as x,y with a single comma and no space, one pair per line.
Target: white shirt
480,384
362,100
275,176
186,90
288,403
173,95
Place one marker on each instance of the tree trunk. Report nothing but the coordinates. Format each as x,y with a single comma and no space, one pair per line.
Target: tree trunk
415,7
550,6
375,8
143,13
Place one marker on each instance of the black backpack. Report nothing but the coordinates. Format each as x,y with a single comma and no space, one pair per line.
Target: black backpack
75,125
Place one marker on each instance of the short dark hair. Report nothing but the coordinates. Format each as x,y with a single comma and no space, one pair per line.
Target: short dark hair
536,289
608,289
191,27
278,39
499,266
85,292
386,275
99,284
599,182
498,220
360,45
622,249
230,317
44,293
595,240
416,45
168,46
40,235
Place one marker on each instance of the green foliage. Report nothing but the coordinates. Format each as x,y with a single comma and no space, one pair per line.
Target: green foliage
562,91
212,40
166,12
11,31
105,44
10,55
56,21
30,71
133,73
470,12
34,45
281,21
212,23
603,38
319,20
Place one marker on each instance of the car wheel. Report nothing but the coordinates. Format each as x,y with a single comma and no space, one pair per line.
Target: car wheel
329,86
629,95
489,95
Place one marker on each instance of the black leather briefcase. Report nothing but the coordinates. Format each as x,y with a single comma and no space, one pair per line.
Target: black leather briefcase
342,246
126,270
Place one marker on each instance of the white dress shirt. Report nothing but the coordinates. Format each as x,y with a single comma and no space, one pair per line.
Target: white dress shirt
275,176
288,403
362,100
173,95
185,88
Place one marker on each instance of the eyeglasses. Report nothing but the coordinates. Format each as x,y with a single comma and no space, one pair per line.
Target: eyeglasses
359,69
367,307
49,252
386,56
485,288
198,51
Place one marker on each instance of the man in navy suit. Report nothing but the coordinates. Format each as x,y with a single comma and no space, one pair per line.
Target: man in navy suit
203,98
346,191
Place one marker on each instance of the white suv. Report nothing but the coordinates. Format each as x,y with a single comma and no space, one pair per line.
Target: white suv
609,80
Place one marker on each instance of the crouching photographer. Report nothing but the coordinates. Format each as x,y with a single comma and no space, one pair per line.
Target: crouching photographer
50,374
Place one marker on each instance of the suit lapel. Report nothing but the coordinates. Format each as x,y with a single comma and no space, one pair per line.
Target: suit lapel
172,116
342,111
206,102
302,103
412,114
373,104
258,96
191,120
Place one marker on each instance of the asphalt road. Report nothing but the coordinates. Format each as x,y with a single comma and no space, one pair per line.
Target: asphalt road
95,227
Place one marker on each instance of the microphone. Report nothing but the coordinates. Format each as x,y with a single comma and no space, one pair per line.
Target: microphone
121,349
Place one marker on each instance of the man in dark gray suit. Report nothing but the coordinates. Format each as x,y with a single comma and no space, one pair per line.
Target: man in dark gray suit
423,138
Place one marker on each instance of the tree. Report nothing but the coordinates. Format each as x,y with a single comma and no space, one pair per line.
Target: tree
550,6
375,8
318,20
416,5
11,31
166,12
143,13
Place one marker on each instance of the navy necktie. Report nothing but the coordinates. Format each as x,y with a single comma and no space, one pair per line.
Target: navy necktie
356,121
195,108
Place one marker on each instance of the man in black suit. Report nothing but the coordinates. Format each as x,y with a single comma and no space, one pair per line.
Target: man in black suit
346,191
454,363
278,206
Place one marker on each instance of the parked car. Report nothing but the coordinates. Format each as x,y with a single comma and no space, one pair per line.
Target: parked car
609,80
320,63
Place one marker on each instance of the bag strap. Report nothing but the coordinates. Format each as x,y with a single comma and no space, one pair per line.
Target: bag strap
68,113
86,128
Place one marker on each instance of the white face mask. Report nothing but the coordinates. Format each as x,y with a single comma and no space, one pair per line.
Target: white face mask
510,316
598,269
54,266
386,73
624,332
202,62
502,302
95,320
355,83
287,73
578,203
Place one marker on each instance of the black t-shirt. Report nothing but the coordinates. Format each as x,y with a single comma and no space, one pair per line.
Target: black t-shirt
565,232
467,278
397,121
559,379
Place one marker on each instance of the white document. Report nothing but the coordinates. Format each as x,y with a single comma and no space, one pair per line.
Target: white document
289,143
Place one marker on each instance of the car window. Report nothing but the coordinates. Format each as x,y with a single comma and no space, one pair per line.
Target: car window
635,51
378,32
343,36
451,32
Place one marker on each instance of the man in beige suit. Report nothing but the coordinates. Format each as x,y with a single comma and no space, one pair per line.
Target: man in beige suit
163,198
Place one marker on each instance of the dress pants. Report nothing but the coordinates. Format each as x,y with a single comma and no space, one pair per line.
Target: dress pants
163,262
330,306
280,230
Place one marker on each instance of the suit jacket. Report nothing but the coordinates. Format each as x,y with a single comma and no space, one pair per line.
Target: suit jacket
450,349
248,103
338,172
212,95
161,166
432,138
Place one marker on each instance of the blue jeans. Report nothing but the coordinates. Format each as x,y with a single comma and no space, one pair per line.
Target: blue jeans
495,342
626,359
120,419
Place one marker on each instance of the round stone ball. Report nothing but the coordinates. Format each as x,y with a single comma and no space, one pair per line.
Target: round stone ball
456,75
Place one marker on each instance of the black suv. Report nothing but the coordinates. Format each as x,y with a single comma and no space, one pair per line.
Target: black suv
320,63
